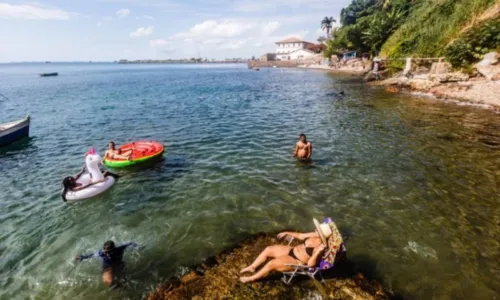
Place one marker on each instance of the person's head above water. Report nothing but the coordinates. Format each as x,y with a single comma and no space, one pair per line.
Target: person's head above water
302,138
108,247
111,145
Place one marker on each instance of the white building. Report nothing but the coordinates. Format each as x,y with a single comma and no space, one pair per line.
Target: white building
301,54
285,47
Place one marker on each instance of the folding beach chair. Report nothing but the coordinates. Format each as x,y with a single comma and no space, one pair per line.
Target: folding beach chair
335,251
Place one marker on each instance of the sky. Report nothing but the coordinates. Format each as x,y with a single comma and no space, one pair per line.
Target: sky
109,30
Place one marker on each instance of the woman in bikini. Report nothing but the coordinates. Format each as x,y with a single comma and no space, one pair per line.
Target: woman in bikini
307,253
114,153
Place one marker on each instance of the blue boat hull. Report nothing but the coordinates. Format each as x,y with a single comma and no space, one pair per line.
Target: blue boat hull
15,135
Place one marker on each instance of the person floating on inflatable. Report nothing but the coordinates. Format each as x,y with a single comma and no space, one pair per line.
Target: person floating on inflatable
90,184
114,153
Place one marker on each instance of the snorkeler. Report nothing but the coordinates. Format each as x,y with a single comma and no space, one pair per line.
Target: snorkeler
114,153
112,261
303,148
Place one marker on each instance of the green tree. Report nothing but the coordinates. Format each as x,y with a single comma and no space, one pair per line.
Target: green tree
327,24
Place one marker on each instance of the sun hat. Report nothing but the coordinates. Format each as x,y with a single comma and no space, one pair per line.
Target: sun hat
324,231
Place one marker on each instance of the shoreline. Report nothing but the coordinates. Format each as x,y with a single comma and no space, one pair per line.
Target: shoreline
480,92
217,277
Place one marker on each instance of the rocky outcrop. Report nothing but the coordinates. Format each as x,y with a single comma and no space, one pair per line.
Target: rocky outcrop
449,77
218,278
489,67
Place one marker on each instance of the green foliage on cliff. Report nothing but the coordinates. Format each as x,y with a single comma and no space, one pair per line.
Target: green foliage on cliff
431,26
474,43
419,28
366,25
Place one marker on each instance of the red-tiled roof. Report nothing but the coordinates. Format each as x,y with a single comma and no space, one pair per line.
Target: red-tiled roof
292,40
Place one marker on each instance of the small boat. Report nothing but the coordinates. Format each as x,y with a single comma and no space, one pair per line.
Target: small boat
13,131
141,151
49,74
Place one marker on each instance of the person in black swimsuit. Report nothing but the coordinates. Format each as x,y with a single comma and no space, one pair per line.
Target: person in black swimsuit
114,153
308,253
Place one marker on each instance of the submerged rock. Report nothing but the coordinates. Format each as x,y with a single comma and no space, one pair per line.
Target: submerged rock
219,279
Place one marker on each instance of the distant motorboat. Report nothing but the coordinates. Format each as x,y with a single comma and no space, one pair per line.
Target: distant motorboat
49,74
13,131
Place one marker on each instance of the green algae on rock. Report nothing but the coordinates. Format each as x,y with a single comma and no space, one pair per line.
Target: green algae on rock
218,278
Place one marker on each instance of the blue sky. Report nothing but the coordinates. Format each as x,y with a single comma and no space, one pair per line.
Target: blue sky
107,30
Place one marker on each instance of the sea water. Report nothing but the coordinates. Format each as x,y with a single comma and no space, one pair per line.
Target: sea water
412,183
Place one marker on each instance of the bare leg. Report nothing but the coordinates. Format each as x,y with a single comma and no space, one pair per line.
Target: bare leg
270,251
127,153
278,264
107,277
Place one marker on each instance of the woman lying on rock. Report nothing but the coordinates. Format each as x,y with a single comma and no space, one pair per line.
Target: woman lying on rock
308,253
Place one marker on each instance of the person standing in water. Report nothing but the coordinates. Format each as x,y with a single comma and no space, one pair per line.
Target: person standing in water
112,261
303,148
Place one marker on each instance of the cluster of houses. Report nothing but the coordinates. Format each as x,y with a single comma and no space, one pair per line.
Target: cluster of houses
294,49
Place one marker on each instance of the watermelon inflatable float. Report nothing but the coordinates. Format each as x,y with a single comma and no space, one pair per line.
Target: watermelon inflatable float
142,151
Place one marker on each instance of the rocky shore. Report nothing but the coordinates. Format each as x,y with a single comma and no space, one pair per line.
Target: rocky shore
480,86
218,278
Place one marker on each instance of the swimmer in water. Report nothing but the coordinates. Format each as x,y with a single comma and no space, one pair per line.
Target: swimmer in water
303,148
114,153
112,261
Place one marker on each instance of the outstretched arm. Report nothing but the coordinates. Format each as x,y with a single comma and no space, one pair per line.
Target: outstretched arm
86,256
295,151
80,174
297,235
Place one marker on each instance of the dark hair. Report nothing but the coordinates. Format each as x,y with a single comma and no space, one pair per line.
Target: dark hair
109,244
67,183
111,143
302,135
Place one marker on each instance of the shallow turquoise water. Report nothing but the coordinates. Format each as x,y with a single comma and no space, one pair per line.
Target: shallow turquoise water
413,183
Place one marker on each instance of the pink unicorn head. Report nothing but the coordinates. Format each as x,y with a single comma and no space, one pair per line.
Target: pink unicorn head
91,152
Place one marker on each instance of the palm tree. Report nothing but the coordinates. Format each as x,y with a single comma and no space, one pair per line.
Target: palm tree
327,24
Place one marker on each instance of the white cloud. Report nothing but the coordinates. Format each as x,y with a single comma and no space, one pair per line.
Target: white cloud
301,34
158,43
212,29
32,12
99,24
123,13
270,28
234,44
213,41
142,31
320,32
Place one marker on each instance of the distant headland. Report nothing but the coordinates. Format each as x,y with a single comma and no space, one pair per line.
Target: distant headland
184,61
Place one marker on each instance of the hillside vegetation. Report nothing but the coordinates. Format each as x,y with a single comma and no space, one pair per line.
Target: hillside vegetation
461,30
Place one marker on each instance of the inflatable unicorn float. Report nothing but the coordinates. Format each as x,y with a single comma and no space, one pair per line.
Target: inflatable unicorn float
88,183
